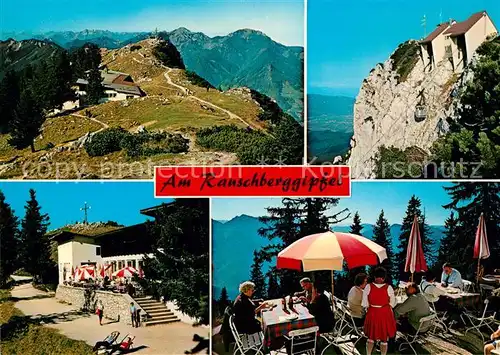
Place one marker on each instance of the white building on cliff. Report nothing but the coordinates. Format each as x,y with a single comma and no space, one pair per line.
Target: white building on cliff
457,41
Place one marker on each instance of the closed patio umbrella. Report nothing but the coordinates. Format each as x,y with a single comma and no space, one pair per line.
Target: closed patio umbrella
481,247
415,258
328,251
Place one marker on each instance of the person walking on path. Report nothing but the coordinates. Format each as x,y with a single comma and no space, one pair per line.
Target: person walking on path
100,311
133,314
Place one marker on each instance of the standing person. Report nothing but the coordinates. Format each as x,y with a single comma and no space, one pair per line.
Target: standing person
138,317
380,324
100,311
133,314
355,298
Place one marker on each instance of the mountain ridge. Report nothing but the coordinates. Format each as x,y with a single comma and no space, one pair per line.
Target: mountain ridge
244,57
241,233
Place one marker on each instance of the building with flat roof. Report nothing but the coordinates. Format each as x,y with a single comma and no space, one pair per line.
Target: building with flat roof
108,245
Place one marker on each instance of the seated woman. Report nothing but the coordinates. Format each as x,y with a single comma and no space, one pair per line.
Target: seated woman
355,298
492,344
320,309
245,310
123,347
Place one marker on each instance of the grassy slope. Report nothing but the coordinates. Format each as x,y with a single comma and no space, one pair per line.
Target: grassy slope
36,339
163,108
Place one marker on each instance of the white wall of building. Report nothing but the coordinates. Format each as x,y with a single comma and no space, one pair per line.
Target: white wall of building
75,253
478,34
112,95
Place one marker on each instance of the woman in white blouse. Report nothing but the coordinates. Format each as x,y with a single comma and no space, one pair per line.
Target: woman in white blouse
380,324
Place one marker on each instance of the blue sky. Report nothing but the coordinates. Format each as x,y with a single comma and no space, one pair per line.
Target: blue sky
282,20
367,197
115,201
346,39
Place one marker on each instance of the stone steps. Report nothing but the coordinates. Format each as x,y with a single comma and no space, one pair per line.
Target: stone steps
156,312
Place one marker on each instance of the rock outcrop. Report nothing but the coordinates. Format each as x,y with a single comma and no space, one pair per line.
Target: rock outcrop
385,111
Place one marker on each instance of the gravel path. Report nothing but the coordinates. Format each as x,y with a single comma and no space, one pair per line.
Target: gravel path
165,339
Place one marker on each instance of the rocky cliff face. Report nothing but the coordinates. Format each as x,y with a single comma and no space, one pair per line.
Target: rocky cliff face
384,112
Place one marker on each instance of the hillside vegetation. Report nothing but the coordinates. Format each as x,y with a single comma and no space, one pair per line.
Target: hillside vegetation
177,122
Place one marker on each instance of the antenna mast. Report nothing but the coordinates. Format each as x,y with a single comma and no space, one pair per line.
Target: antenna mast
85,208
424,24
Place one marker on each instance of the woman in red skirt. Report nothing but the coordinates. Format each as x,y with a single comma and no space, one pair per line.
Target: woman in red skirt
380,324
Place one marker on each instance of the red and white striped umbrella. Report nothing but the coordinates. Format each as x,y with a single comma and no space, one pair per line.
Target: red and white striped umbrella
415,258
108,270
328,251
84,273
125,272
481,247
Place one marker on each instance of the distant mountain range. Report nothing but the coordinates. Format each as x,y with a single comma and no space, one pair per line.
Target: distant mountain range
330,126
242,58
235,240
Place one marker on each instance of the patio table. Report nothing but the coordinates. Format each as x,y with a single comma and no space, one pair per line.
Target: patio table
276,324
455,295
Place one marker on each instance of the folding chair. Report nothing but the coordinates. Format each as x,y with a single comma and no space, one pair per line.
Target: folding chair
303,341
478,322
246,342
440,318
410,339
344,329
467,286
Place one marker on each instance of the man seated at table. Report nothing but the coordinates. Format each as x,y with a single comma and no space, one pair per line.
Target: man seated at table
320,308
305,295
451,277
415,307
355,298
492,344
429,289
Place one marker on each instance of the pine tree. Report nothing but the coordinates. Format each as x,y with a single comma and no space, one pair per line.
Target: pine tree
223,301
9,97
95,89
272,284
257,277
179,270
59,77
413,209
297,218
469,200
8,240
382,236
450,242
27,121
474,137
35,244
356,228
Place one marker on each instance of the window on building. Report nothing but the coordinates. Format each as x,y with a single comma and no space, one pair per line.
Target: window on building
130,97
98,251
